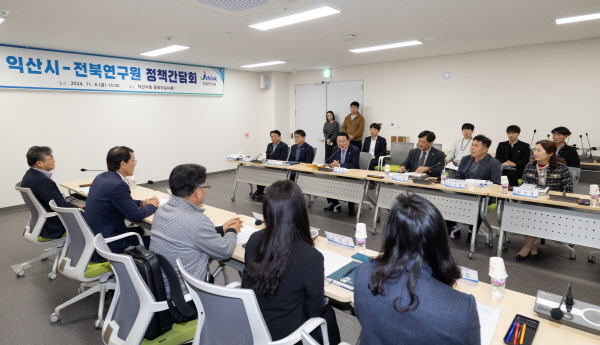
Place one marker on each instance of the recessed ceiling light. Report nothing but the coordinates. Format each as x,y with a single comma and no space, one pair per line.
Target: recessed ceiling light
387,46
166,50
578,18
1,20
295,18
263,64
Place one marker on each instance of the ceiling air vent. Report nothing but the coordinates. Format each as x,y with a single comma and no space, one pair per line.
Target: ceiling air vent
237,8
235,5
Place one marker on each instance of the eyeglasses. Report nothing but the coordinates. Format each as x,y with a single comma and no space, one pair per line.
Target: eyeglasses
135,162
206,187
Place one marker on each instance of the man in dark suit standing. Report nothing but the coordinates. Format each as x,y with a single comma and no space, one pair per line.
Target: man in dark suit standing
513,153
276,150
39,179
347,156
375,145
109,202
301,152
425,158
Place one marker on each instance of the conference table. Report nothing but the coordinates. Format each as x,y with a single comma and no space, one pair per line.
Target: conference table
514,302
549,219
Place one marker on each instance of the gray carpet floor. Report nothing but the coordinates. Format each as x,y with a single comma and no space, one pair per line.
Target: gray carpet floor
27,302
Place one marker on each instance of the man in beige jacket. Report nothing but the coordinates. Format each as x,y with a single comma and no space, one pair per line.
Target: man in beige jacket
354,125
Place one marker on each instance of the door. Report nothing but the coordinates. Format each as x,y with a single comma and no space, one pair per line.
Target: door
310,116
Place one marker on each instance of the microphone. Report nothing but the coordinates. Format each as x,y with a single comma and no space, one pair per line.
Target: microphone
557,313
258,222
582,147
548,136
591,148
533,136
334,152
82,169
150,182
568,184
438,163
257,218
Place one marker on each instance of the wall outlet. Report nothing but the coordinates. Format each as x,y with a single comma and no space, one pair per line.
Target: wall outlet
392,125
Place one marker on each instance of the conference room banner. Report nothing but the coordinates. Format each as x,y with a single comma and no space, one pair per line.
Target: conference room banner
42,69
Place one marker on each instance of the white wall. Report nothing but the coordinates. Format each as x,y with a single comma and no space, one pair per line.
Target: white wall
163,130
536,87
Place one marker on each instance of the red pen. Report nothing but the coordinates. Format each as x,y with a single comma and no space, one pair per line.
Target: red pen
517,333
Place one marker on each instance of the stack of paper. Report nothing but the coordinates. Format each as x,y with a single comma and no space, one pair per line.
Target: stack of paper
244,235
541,191
488,320
84,190
333,261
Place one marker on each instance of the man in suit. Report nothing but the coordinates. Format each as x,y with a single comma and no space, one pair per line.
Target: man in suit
276,150
513,153
39,179
347,156
480,166
425,158
375,145
109,202
563,150
301,152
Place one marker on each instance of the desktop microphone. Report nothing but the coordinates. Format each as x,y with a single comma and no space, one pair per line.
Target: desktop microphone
334,152
533,136
258,222
590,145
557,313
548,136
150,182
568,184
438,163
582,147
82,169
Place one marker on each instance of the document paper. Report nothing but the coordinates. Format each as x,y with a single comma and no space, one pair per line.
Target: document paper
245,234
333,261
84,190
488,320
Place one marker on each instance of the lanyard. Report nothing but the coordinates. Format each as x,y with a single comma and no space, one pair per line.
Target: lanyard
464,147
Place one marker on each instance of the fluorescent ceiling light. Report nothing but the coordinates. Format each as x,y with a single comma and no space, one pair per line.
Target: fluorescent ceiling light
387,46
263,64
167,50
578,18
295,18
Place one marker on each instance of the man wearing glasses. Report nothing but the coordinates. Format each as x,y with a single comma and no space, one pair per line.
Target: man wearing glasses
563,150
180,228
109,202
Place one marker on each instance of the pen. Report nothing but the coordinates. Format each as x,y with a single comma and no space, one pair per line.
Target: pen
523,333
349,271
512,329
517,333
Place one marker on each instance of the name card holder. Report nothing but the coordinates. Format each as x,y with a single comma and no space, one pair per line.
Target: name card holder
339,170
400,177
453,183
339,239
273,162
246,159
527,192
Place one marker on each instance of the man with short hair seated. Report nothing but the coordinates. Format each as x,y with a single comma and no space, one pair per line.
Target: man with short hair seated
109,203
425,158
375,145
513,153
180,229
39,179
347,156
276,150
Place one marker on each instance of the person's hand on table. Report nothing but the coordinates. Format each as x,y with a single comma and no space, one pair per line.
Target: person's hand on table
514,165
421,170
151,201
234,223
335,164
402,169
447,161
80,206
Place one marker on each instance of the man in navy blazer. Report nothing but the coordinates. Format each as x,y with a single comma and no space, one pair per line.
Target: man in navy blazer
301,152
276,150
425,158
109,202
39,179
347,156
375,145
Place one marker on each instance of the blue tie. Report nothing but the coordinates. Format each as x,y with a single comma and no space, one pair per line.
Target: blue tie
343,158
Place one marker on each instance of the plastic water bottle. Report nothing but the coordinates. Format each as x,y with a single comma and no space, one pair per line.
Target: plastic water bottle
131,181
387,171
443,177
504,182
498,288
361,245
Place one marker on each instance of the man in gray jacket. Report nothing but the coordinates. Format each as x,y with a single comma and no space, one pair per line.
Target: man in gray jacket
180,228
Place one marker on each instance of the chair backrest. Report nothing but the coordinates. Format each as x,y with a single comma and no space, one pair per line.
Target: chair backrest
399,152
438,146
364,160
132,307
315,151
575,172
219,307
80,243
36,221
307,339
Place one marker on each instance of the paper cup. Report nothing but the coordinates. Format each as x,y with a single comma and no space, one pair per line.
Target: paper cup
594,189
361,230
497,269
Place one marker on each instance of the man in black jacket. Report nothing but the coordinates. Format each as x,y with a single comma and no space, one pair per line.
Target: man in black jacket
564,151
276,150
375,145
39,179
425,158
513,155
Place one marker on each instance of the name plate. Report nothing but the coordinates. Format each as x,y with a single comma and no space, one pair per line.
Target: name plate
246,159
273,162
528,192
339,239
339,170
453,183
400,177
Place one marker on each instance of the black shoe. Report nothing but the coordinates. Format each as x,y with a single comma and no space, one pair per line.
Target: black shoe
351,213
521,258
253,195
537,256
333,207
469,238
259,197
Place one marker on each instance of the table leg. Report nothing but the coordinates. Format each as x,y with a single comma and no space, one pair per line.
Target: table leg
475,229
362,198
374,232
482,214
499,214
235,183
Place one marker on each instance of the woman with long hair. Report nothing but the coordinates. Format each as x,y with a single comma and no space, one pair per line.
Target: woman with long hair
331,128
405,295
546,170
283,267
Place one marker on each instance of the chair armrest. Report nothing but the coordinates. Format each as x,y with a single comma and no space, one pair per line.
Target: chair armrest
234,285
309,326
50,214
127,234
382,161
158,306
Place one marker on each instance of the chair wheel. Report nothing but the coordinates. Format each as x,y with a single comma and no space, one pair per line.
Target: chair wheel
505,247
491,244
44,259
370,207
52,276
98,324
374,232
573,256
470,255
54,318
309,204
592,259
233,199
20,273
378,219
507,239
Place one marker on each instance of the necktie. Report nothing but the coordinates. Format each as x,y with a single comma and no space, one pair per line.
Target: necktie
422,160
343,158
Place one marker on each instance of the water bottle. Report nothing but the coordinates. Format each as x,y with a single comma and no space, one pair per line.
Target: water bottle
361,245
498,287
131,181
504,182
387,171
443,177
594,192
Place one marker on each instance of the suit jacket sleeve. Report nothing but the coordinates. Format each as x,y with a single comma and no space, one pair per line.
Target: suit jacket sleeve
524,158
408,161
354,159
366,145
438,164
48,190
501,155
122,200
292,156
496,171
462,168
473,335
314,295
310,154
382,149
282,152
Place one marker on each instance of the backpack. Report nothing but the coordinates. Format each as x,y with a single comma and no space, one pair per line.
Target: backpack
151,266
